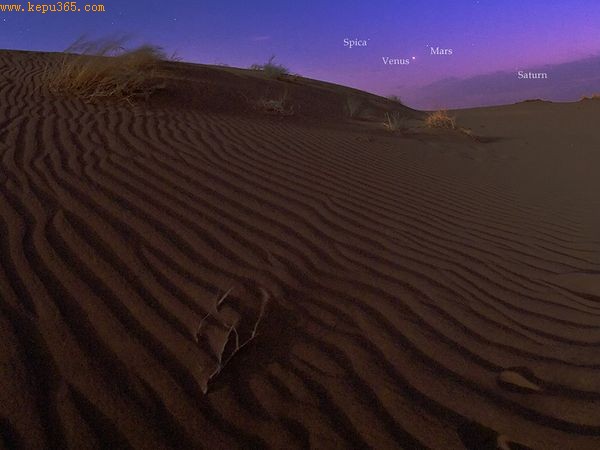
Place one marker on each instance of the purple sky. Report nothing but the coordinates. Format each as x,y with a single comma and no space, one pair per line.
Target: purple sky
307,36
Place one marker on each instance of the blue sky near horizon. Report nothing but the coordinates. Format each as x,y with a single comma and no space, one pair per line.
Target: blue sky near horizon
486,35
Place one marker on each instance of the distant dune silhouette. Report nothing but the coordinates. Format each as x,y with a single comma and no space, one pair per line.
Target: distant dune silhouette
566,82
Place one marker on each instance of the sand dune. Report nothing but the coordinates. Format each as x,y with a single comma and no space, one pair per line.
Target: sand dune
425,291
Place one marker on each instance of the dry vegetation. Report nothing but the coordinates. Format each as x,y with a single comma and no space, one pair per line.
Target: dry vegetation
270,69
104,69
353,106
591,97
232,337
440,119
394,121
277,106
395,99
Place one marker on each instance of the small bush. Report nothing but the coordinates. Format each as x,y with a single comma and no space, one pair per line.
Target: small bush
275,106
175,57
440,119
270,69
104,69
395,99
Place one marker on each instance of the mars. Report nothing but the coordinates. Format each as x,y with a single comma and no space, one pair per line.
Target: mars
441,51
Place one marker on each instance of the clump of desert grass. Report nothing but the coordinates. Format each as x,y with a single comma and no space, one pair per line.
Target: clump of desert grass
276,106
395,121
104,69
353,106
440,119
270,69
395,99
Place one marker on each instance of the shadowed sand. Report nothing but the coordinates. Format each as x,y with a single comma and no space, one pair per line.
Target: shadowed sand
426,290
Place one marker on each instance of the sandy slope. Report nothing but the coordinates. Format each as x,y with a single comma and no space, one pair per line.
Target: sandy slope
425,291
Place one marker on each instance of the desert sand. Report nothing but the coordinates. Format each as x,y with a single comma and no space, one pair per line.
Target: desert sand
419,289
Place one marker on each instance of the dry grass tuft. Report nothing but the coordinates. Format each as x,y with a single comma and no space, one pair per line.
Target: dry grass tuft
270,69
395,99
104,69
354,106
275,106
440,119
232,336
395,121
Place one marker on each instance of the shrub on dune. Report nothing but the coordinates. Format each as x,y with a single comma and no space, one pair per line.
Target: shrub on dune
277,106
440,119
105,69
270,69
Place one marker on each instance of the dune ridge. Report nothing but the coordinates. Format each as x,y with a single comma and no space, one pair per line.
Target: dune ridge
405,276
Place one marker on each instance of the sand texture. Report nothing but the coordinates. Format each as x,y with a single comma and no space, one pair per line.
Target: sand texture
426,290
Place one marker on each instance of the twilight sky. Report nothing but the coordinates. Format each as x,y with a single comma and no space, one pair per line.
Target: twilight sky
486,36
